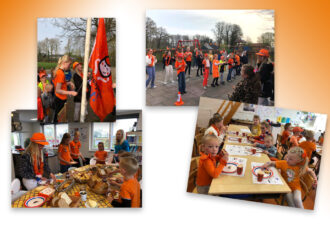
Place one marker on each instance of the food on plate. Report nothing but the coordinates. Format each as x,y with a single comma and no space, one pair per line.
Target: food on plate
92,203
47,192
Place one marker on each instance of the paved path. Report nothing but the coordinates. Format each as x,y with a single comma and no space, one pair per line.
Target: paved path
166,95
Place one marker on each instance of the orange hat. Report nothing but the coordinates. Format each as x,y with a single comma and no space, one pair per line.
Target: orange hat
39,138
75,64
42,74
180,55
297,129
263,52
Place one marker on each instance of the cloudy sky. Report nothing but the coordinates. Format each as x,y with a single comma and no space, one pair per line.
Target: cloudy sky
191,22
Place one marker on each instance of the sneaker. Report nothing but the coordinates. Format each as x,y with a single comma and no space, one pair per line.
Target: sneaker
184,92
205,87
153,87
172,81
223,83
212,85
216,84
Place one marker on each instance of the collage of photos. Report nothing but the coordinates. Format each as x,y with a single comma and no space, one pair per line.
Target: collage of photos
257,153
65,91
76,165
223,54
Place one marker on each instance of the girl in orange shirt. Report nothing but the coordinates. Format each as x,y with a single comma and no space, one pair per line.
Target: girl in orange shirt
64,153
292,168
61,85
215,72
207,169
100,155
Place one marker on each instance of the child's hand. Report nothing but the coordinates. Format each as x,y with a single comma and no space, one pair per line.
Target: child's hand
265,152
266,165
73,93
225,155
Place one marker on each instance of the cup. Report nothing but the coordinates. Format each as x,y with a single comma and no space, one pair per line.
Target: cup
239,169
244,134
260,176
83,195
240,140
253,151
237,133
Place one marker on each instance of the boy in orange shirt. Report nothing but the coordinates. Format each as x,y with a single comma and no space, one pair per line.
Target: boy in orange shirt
309,146
64,154
180,65
129,194
231,65
286,133
294,139
75,149
207,168
100,155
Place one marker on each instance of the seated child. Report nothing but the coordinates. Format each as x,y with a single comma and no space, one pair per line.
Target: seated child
255,128
286,133
265,130
292,168
207,169
129,195
309,146
321,139
294,139
100,155
268,147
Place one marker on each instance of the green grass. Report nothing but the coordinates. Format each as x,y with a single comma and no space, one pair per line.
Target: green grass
47,65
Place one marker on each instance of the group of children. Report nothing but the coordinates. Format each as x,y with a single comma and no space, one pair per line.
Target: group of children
293,165
55,87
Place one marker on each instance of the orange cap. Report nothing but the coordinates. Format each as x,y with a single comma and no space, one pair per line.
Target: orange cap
297,129
263,52
75,64
42,74
180,55
39,138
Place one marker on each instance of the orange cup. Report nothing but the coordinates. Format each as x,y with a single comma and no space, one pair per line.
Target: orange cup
260,175
253,151
239,169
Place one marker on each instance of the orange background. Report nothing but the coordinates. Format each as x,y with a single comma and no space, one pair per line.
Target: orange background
302,60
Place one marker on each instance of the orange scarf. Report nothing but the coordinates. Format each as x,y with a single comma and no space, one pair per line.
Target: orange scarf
38,169
152,60
216,129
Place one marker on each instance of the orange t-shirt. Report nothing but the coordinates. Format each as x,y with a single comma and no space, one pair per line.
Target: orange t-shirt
294,140
101,155
74,147
285,136
215,68
182,68
188,56
130,190
64,153
290,174
60,78
207,169
230,63
309,147
238,59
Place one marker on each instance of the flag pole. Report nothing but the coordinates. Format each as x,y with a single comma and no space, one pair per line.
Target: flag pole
86,57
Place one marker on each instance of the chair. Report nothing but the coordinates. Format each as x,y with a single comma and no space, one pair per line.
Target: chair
278,140
16,191
280,152
192,174
306,182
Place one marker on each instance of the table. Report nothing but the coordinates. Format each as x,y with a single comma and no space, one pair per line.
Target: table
100,199
225,184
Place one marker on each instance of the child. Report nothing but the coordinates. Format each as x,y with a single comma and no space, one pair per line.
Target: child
129,195
255,128
207,169
215,74
168,68
75,149
180,65
265,130
294,166
230,67
309,146
188,56
268,147
64,154
40,112
294,139
216,127
286,133
210,55
206,63
43,81
222,68
199,61
100,155
47,99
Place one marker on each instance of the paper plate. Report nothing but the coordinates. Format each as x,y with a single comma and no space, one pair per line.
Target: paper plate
267,175
34,202
231,167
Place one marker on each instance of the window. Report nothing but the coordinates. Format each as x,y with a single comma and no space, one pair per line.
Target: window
54,133
15,139
125,124
101,132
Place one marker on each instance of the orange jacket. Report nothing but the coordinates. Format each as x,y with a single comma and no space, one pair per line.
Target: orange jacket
207,169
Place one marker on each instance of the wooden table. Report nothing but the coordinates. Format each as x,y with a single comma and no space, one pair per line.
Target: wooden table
101,200
226,184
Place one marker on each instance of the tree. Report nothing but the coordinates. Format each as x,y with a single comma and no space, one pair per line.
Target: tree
235,35
151,31
218,32
266,38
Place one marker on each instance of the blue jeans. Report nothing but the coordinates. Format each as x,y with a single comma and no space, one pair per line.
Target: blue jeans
211,67
182,82
151,76
221,77
64,168
229,74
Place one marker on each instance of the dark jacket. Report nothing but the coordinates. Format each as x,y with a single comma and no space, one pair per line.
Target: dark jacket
266,75
77,80
199,59
25,167
247,91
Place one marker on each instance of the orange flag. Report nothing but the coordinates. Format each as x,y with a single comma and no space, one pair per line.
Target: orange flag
102,99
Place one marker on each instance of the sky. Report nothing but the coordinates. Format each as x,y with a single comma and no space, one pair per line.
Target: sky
191,22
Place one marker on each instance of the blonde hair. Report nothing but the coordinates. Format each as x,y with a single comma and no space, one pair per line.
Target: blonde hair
206,138
122,139
269,137
61,60
300,151
34,152
129,164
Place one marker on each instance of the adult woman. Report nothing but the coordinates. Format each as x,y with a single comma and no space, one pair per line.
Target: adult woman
249,89
265,70
61,85
151,61
121,143
216,127
168,68
32,165
78,79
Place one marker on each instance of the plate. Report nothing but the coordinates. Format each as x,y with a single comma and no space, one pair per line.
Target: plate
34,202
268,172
231,167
